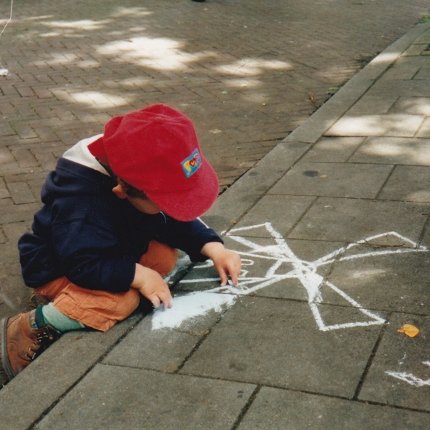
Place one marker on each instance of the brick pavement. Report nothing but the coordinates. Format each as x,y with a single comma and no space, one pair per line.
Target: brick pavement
247,72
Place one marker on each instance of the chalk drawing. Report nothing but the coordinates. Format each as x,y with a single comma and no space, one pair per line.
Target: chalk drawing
279,255
410,378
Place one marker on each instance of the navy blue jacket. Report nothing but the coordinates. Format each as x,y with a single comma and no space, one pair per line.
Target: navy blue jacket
86,233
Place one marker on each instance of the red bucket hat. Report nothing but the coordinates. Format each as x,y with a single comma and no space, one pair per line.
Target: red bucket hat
156,150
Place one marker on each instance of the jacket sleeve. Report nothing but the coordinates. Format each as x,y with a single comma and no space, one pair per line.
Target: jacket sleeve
190,236
90,257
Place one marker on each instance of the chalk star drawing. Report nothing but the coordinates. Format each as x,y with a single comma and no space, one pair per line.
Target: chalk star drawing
410,378
278,254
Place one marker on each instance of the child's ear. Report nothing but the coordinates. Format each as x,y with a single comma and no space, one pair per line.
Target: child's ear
119,191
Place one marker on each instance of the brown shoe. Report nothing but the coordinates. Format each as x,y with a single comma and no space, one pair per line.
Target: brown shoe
22,341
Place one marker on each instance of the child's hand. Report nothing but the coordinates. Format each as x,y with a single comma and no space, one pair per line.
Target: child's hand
226,262
152,286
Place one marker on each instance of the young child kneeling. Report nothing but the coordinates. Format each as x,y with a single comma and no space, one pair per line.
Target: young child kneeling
114,212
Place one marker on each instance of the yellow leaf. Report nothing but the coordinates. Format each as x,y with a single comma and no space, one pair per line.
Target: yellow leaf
409,330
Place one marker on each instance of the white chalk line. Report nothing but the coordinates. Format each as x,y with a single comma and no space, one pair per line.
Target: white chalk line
410,378
304,271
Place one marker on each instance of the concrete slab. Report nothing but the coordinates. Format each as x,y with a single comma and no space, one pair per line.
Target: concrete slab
276,342
425,129
376,125
354,219
333,149
412,105
424,72
400,371
396,282
373,104
408,183
112,397
416,49
276,409
394,150
246,191
405,68
163,349
333,180
282,211
405,88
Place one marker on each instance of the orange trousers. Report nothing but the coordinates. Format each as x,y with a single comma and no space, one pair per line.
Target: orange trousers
101,310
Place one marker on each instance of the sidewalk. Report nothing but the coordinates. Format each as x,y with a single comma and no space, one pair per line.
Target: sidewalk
246,81
332,226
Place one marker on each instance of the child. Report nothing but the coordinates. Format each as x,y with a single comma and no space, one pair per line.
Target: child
115,210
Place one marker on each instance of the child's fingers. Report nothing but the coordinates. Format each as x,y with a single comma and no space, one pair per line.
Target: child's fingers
166,297
167,301
234,278
223,277
155,301
234,271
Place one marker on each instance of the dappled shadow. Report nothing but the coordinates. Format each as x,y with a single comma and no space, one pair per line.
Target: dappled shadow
245,72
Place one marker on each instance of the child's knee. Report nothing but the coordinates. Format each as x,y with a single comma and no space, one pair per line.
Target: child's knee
128,304
160,257
97,309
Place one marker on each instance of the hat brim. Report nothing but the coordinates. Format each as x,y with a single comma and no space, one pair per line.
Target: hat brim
187,205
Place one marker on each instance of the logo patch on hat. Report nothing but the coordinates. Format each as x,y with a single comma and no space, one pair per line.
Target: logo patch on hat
192,163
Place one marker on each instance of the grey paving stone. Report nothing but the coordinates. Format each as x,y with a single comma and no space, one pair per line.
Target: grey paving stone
62,365
404,68
425,129
354,219
424,72
333,179
372,105
276,342
405,88
333,149
408,362
230,206
393,150
415,50
282,211
164,349
376,125
412,105
277,409
118,398
396,282
408,183
426,237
